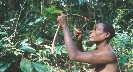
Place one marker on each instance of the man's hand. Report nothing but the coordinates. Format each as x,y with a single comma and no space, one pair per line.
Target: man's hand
62,20
77,34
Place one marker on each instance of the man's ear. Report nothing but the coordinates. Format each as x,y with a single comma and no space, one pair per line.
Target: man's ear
107,35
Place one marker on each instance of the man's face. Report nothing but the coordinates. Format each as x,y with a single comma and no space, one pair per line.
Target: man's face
98,34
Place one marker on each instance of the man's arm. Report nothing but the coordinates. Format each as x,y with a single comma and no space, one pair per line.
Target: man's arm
71,47
89,57
78,35
79,45
96,58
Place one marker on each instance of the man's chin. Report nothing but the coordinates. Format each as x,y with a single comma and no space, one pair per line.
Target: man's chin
92,41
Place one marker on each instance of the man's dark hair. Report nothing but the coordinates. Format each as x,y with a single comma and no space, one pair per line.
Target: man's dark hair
109,28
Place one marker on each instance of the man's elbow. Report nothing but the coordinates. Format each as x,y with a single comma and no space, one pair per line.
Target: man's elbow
72,57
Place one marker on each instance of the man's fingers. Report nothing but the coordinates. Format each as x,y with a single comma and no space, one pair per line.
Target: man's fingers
77,32
57,20
60,13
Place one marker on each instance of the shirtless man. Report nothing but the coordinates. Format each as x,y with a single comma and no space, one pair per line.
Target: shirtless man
103,57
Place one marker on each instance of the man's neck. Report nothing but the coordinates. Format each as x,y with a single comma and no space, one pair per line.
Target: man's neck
103,46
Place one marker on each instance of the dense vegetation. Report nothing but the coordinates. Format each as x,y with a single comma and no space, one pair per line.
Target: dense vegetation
27,28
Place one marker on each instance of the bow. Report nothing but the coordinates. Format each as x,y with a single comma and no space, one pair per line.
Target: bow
53,42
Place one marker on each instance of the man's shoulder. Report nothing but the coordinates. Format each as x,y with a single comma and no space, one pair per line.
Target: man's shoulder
107,55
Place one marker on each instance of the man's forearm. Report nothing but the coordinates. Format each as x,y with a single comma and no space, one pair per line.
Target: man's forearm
71,47
79,45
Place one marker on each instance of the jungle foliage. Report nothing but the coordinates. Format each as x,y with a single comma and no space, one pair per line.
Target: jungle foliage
27,28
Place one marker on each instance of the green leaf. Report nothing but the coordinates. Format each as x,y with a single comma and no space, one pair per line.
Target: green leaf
94,46
13,19
3,33
38,20
26,46
50,9
27,49
23,42
40,67
0,42
6,28
39,41
122,61
122,56
58,52
64,51
4,67
2,63
46,46
129,70
31,23
56,11
74,69
26,65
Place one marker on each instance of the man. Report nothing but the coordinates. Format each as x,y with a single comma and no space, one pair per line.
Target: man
103,58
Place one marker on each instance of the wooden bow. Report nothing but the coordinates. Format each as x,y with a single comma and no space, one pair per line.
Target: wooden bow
52,49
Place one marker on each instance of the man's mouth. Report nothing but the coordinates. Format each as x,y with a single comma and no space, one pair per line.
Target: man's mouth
90,35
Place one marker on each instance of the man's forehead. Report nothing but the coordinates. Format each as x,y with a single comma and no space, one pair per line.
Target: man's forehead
99,25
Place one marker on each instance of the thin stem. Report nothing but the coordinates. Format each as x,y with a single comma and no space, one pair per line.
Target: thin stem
52,49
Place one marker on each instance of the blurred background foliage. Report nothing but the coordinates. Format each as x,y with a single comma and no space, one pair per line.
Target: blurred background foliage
27,28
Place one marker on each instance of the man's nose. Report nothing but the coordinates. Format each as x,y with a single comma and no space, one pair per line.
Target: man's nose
91,31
